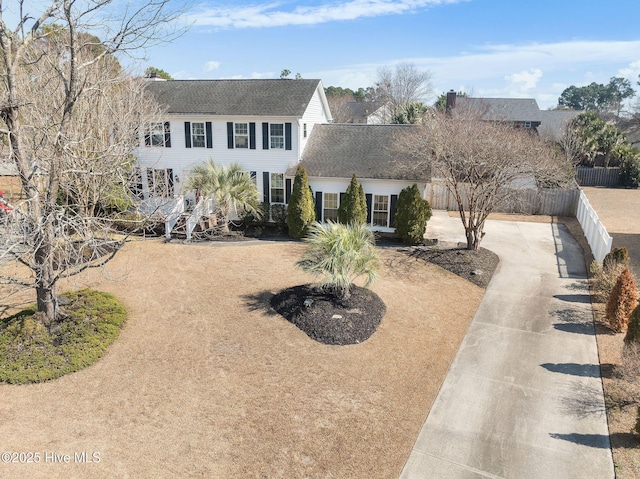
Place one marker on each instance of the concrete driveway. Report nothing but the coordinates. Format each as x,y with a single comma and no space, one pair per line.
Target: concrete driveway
523,397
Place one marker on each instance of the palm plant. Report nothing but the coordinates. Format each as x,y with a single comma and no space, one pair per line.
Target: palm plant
340,254
232,189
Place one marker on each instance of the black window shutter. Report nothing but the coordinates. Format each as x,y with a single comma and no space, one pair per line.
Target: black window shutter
319,205
342,195
252,175
287,136
147,136
230,134
265,136
287,189
265,186
170,182
369,198
167,134
252,136
150,182
187,134
209,134
392,207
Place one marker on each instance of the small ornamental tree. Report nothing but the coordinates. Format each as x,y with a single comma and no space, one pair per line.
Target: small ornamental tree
412,214
622,302
353,205
301,209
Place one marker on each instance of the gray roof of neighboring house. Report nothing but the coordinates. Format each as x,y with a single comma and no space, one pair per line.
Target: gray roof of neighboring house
369,151
503,109
362,108
554,123
235,97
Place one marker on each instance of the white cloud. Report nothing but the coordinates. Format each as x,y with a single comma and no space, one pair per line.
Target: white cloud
526,79
274,15
210,66
631,72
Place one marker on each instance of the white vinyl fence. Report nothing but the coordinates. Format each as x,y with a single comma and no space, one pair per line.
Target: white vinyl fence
595,232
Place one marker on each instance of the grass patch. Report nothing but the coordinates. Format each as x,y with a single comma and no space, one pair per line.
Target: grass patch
31,352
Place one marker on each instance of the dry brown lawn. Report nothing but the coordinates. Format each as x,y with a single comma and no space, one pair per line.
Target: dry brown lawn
206,381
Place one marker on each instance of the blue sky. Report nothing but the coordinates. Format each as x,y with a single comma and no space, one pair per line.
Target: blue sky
489,48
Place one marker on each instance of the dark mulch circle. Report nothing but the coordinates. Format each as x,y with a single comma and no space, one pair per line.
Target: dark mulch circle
327,319
475,266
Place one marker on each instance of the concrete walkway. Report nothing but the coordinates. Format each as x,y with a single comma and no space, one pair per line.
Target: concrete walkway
523,397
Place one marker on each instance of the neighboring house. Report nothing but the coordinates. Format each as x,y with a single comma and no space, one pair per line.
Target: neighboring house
365,112
521,112
263,125
337,151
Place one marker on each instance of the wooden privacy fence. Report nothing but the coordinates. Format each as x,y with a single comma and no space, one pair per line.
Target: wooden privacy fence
530,201
609,177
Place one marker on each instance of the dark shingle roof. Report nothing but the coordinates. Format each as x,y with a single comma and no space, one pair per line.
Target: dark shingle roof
554,123
369,151
503,109
235,97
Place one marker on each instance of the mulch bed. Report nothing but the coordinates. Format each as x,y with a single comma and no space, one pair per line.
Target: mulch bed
327,319
475,266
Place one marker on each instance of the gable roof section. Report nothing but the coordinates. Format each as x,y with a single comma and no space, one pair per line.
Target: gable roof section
235,97
503,109
555,122
340,150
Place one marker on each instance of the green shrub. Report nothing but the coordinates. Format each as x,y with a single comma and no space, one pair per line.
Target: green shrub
622,302
301,210
32,352
629,166
412,214
353,204
279,215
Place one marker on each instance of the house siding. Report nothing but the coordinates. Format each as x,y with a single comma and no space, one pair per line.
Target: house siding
371,186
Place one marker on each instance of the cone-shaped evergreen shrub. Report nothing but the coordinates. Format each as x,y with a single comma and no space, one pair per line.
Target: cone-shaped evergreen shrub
353,204
633,331
301,209
412,214
622,302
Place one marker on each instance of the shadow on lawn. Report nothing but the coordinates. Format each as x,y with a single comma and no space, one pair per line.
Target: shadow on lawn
260,302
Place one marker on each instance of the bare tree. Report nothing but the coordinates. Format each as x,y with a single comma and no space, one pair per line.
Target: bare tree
71,118
483,164
401,86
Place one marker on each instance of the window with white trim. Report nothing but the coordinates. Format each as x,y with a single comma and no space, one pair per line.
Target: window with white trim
304,130
380,210
527,124
156,134
198,139
330,207
241,135
276,135
277,188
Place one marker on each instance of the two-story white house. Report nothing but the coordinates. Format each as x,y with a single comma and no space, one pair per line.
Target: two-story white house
263,125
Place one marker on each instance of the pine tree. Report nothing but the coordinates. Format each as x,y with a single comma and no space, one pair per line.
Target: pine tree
412,214
622,302
353,205
301,209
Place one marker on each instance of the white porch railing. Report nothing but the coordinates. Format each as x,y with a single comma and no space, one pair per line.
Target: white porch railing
203,208
169,209
594,231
